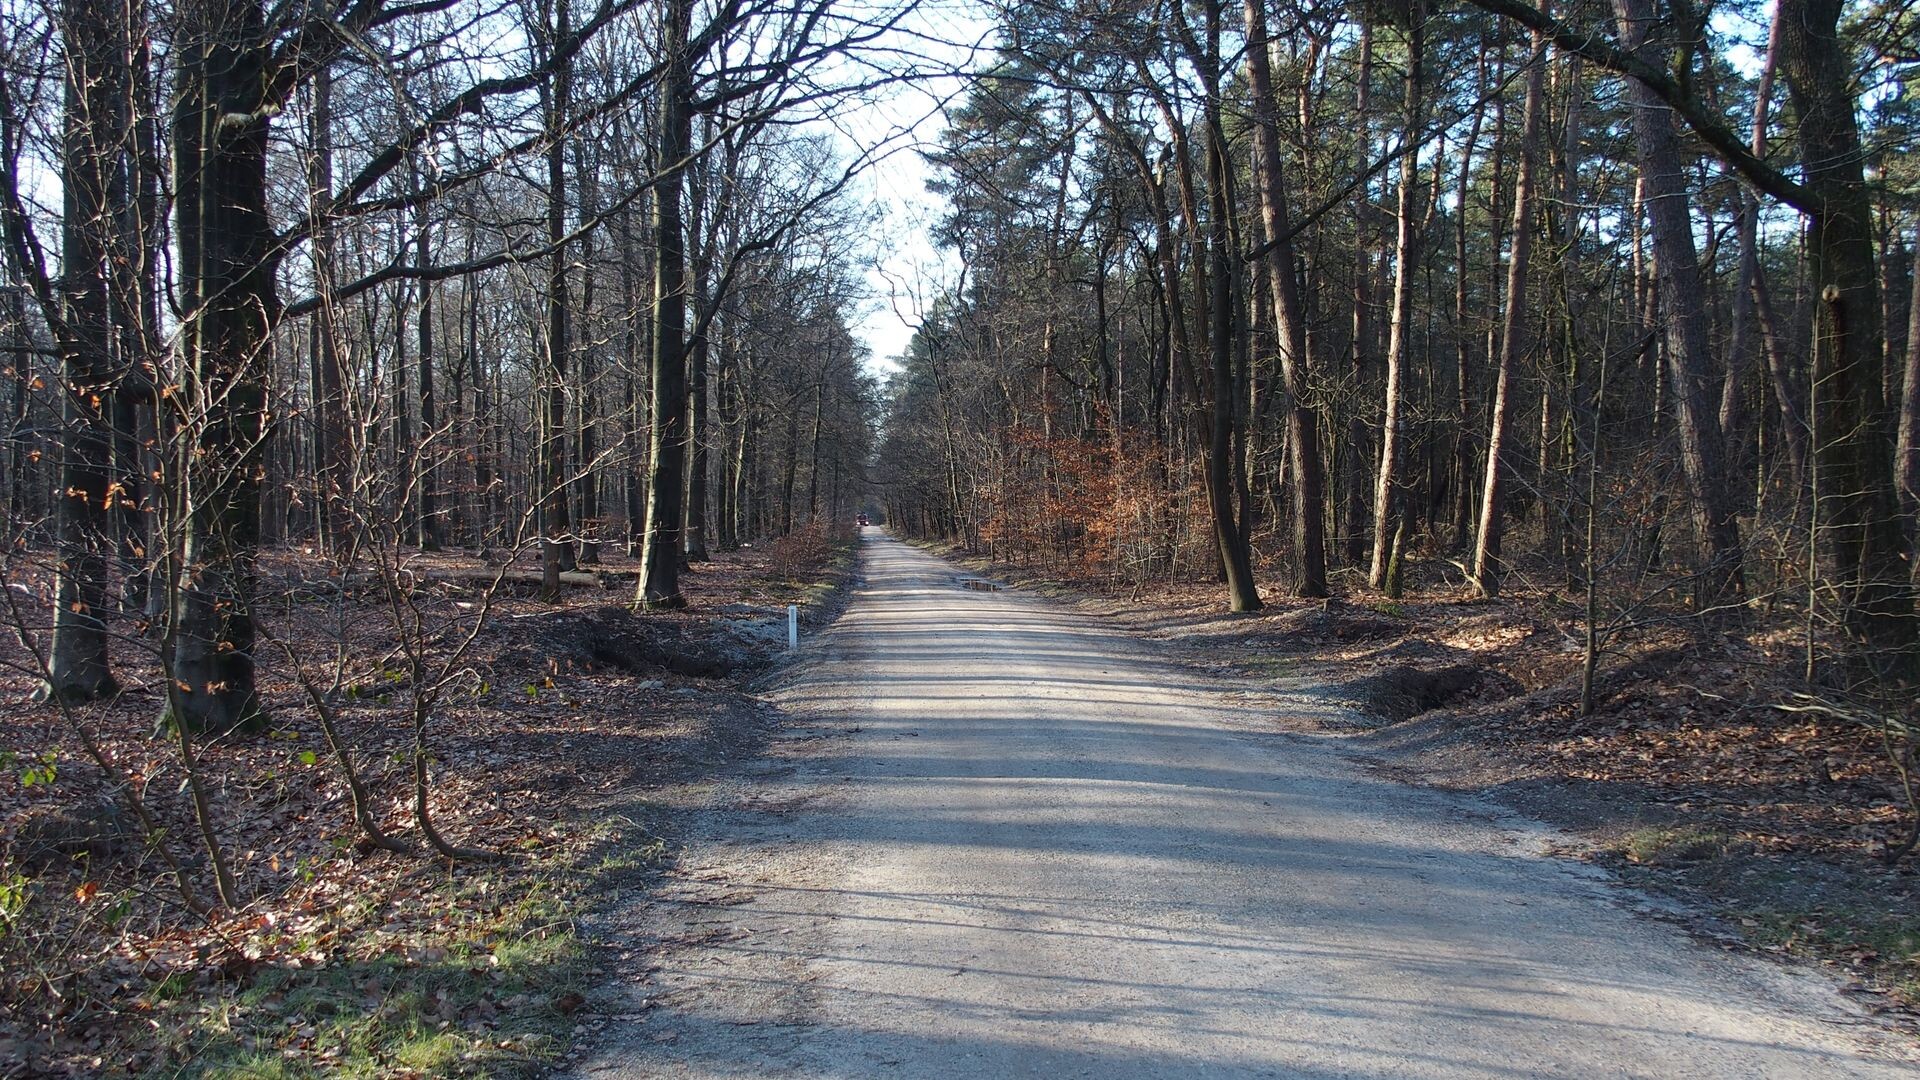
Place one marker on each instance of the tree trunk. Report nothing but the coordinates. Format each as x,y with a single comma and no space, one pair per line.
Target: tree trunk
452,528
1568,437
332,448
20,377
137,462
1289,318
813,448
1907,445
556,547
427,504
1486,550
1857,509
488,485
93,148
1744,344
660,556
1683,300
226,244
586,481
745,469
694,543
1462,510
1388,493
633,508
406,456
1236,554
726,409
791,467
1352,461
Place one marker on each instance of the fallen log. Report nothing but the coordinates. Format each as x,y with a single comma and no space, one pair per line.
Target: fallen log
487,574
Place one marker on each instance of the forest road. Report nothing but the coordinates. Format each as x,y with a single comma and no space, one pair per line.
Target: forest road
1003,839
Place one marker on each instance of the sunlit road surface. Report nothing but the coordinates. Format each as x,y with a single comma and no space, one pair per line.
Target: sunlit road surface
1006,840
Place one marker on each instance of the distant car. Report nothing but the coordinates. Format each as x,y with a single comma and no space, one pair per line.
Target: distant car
862,521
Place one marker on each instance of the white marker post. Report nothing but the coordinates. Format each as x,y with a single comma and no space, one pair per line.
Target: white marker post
793,626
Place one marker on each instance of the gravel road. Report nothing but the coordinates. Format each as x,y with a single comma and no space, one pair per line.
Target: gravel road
1005,839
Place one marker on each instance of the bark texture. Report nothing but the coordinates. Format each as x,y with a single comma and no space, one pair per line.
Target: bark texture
667,450
1855,504
1689,358
1486,570
1289,320
226,245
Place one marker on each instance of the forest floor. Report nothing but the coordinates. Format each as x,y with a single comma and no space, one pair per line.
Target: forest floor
1689,779
567,752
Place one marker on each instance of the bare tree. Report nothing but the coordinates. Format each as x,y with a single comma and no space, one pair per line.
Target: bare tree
1513,328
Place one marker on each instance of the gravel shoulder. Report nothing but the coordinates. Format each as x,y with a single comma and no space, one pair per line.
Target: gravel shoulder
1000,837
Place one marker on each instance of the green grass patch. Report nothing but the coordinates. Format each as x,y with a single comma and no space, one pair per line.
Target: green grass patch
1661,846
1268,666
485,990
1883,945
1841,918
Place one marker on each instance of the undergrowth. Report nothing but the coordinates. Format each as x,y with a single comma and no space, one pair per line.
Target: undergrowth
486,990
